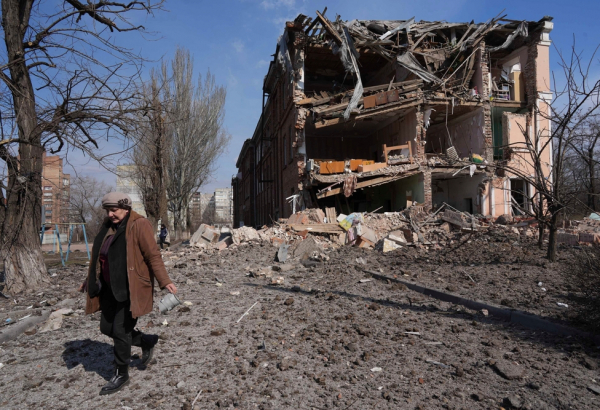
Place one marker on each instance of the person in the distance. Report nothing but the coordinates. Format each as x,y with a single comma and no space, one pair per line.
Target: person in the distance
163,235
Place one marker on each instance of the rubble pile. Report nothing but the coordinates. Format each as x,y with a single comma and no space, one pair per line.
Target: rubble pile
382,231
586,231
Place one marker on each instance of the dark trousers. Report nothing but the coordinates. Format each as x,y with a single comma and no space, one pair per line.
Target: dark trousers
162,241
116,322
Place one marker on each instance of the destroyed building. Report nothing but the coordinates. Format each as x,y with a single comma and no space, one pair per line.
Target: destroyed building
381,114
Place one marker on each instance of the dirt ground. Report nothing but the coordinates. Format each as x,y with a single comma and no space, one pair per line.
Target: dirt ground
330,336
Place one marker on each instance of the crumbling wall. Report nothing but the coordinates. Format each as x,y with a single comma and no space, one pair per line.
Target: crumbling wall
458,193
293,166
398,132
427,190
530,76
487,150
467,132
420,135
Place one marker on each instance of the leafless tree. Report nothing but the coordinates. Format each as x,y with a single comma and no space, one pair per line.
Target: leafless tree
542,158
194,133
65,82
582,165
86,202
149,153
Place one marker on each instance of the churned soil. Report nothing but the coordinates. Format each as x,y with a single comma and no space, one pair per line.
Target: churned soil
495,267
330,336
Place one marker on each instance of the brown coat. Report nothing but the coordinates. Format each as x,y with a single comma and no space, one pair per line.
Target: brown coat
144,263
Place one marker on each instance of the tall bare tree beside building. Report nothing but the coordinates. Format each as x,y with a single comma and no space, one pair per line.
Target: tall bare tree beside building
64,82
197,136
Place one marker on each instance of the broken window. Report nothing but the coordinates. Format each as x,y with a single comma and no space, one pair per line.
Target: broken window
519,196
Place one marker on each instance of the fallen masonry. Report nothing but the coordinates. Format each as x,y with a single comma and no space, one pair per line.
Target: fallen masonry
318,330
388,231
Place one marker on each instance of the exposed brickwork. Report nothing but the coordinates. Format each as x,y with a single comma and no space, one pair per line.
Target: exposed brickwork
420,136
530,76
428,196
488,142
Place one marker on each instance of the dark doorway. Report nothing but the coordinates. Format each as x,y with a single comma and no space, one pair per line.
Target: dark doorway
520,196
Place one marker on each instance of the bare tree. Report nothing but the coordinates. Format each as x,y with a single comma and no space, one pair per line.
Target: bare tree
582,165
180,138
542,158
148,156
64,82
86,202
197,136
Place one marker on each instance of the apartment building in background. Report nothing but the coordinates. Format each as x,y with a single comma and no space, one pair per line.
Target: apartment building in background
56,188
224,205
126,185
212,208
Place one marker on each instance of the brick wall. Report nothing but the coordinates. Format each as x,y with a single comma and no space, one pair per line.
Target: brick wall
427,193
420,135
488,142
530,76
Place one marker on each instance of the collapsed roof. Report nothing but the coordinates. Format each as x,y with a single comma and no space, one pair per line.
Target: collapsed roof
434,60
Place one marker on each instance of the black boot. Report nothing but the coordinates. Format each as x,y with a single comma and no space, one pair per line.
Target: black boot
116,383
148,343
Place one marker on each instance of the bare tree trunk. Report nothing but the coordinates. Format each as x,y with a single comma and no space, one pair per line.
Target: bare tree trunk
592,176
86,99
541,230
552,238
21,249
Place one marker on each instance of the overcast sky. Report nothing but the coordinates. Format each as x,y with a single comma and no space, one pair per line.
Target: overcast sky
235,39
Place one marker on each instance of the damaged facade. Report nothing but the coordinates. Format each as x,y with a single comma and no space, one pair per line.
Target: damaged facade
381,115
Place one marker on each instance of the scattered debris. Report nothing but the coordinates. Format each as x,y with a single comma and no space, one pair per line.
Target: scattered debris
437,363
55,320
594,389
248,311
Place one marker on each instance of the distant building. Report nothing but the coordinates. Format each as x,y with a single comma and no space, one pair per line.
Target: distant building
224,205
201,209
126,185
215,208
56,193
